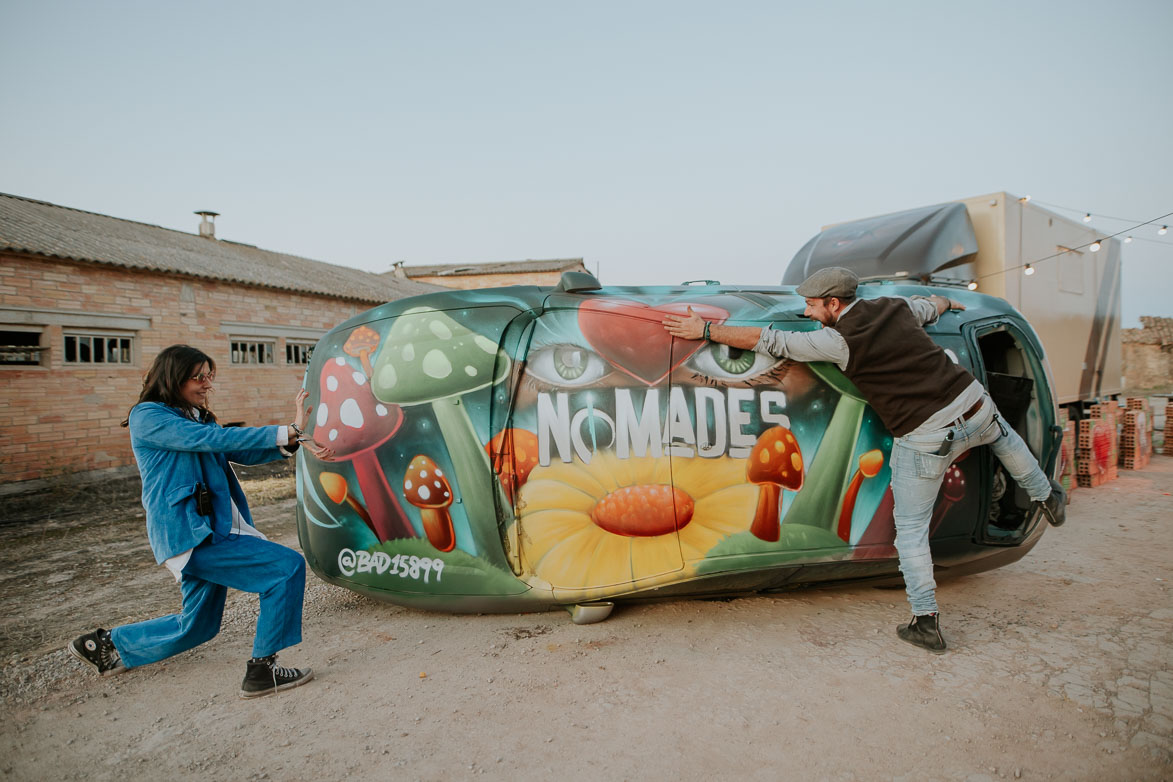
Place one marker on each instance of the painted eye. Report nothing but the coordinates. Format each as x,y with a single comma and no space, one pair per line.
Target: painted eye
721,362
566,365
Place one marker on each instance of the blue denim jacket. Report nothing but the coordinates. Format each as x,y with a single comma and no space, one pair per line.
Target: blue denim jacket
174,454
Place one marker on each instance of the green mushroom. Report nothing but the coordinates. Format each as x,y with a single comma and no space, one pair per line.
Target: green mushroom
429,358
821,499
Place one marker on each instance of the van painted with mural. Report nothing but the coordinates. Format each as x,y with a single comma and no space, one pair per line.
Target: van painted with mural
520,448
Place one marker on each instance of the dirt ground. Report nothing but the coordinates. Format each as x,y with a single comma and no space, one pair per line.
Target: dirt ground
1059,668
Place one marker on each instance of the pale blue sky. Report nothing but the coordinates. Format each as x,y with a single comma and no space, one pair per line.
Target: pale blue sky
661,141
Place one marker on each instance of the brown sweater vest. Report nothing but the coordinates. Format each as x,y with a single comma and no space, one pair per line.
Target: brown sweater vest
903,374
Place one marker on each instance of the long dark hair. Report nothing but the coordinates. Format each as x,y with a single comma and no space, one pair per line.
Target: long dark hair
164,380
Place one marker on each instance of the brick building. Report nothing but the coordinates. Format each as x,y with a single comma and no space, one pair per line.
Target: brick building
87,301
490,275
1148,354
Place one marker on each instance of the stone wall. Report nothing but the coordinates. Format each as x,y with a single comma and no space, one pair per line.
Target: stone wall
1147,366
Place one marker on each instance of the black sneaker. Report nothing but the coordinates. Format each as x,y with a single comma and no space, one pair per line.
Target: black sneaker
98,650
264,676
925,632
1054,508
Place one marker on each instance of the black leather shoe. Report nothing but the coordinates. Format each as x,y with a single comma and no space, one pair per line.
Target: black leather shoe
1054,508
925,632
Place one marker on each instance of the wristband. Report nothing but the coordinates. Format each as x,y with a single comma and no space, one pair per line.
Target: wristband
706,336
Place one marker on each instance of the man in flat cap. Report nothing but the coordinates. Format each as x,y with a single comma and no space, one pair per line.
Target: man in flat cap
935,409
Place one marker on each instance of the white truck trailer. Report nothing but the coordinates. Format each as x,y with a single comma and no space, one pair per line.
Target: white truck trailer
1071,297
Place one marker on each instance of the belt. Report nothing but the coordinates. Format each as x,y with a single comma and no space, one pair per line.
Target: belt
971,412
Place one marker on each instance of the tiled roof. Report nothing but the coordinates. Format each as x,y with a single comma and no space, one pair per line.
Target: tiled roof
41,228
1153,331
504,267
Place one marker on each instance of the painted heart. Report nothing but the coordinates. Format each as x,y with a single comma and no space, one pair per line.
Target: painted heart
629,334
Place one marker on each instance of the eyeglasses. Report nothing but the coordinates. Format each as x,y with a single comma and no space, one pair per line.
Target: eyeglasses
202,376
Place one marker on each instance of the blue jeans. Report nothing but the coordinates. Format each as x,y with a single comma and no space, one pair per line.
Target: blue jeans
918,469
247,563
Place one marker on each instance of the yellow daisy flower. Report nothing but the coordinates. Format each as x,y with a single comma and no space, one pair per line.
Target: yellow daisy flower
597,529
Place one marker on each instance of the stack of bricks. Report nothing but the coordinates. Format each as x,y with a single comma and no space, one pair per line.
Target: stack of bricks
1067,454
1168,449
1136,434
1096,462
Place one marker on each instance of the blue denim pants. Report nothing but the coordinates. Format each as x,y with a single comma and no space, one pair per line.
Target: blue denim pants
244,562
918,468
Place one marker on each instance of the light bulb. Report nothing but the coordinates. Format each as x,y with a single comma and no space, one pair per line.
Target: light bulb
1087,218
1095,246
1128,240
1029,270
1024,199
972,285
1164,229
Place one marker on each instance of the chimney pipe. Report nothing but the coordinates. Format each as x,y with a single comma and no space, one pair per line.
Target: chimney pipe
208,223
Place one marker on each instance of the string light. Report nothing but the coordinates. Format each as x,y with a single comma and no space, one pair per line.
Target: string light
1136,222
1087,217
1094,245
972,285
1024,199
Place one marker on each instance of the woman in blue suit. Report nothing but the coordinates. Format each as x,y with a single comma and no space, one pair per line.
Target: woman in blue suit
200,527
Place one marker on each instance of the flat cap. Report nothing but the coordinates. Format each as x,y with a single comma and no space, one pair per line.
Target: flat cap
832,281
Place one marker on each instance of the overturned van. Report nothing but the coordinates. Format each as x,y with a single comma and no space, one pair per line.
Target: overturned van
519,448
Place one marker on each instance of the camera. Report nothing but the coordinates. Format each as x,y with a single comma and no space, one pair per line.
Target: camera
203,500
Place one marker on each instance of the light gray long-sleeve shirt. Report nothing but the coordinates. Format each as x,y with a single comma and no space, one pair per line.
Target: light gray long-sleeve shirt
827,344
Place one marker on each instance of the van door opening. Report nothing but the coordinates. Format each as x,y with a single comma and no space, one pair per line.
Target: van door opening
1012,371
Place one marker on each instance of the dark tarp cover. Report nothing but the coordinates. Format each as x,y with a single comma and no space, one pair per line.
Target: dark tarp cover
932,241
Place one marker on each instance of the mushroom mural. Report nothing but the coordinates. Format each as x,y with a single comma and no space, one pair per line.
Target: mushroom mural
878,540
425,487
354,424
429,358
869,466
831,467
774,463
952,492
339,492
666,468
514,454
361,344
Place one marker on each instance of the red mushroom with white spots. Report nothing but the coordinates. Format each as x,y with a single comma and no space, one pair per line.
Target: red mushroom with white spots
775,463
426,487
352,422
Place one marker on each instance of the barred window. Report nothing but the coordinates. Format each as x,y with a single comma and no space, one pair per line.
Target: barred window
20,347
94,348
252,352
298,352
